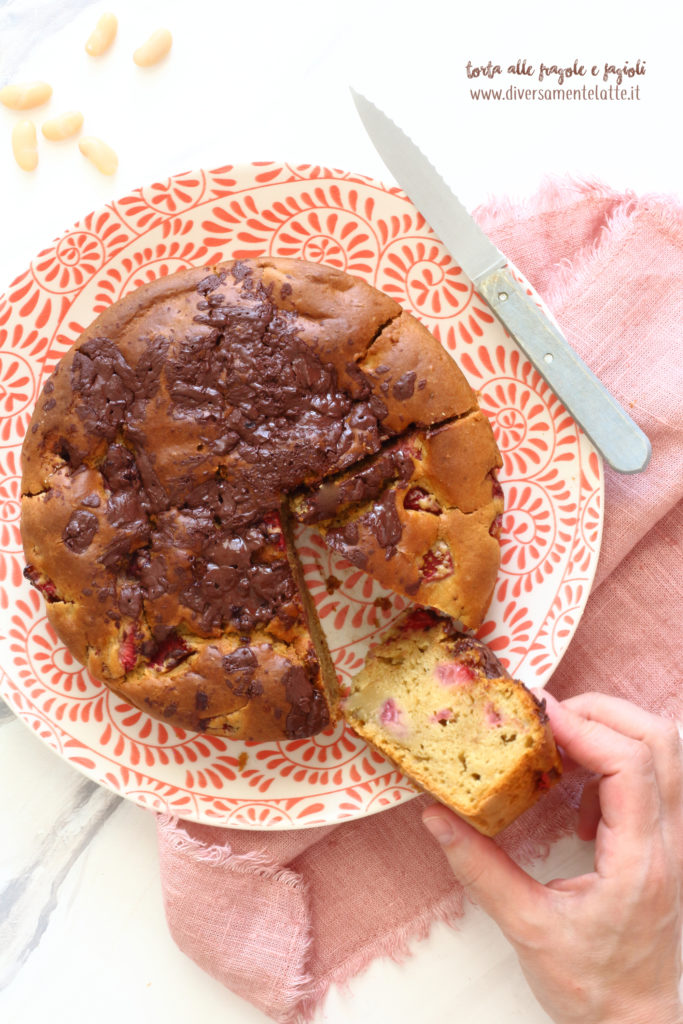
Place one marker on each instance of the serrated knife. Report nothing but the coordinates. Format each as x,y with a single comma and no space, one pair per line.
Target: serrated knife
621,442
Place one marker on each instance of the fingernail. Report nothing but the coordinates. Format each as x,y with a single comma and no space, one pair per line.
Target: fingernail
440,828
542,694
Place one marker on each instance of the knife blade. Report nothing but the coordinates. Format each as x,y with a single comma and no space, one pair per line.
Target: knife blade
621,442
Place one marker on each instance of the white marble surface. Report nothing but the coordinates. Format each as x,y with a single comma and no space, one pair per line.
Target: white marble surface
82,932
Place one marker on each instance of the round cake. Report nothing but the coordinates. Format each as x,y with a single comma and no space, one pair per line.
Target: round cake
162,459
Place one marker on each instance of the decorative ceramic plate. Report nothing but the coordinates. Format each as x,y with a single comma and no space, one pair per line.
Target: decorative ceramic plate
552,479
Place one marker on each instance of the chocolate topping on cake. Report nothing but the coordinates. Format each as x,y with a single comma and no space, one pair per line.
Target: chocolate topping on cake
171,435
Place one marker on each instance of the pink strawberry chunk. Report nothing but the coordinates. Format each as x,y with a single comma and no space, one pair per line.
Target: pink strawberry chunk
274,530
419,618
454,673
41,583
419,500
170,652
492,715
128,652
437,564
389,712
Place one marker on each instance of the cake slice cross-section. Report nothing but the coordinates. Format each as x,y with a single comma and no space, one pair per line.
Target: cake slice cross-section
442,708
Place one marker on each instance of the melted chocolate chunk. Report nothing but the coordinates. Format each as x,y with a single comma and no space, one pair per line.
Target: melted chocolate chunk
240,667
383,520
130,600
344,539
210,282
201,700
472,650
404,387
106,384
79,532
308,714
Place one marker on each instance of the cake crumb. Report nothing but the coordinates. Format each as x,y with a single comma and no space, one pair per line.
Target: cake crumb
332,584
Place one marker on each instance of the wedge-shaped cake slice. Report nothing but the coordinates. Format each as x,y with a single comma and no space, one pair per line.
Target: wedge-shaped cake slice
422,516
439,704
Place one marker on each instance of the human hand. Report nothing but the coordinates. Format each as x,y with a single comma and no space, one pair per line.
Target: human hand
605,947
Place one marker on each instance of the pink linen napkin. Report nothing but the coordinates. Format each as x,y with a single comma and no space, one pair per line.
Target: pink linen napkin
279,917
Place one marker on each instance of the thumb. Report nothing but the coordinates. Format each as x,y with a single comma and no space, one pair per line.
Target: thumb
489,876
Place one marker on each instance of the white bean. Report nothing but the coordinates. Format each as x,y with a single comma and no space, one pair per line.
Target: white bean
25,145
99,153
63,127
25,95
102,36
156,47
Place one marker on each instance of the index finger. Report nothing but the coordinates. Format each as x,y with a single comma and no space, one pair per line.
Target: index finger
660,734
629,795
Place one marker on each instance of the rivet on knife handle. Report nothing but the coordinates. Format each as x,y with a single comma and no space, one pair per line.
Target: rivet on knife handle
621,442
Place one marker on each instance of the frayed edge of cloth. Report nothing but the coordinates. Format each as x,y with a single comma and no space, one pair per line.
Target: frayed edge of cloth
554,194
557,196
574,276
256,862
398,946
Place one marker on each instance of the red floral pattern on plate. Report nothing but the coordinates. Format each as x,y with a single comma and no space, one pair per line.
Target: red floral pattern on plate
551,476
418,273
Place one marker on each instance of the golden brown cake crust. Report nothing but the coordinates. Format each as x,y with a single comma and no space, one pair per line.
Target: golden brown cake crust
156,461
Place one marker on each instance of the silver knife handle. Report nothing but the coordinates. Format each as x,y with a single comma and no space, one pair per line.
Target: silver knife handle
620,441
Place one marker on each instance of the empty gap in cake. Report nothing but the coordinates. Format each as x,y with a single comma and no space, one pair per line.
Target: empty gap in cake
329,673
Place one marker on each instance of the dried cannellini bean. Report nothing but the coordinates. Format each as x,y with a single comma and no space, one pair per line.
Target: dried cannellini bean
63,127
99,153
102,36
25,145
25,95
156,47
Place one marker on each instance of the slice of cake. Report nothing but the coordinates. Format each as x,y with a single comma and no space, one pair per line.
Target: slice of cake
440,705
422,516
